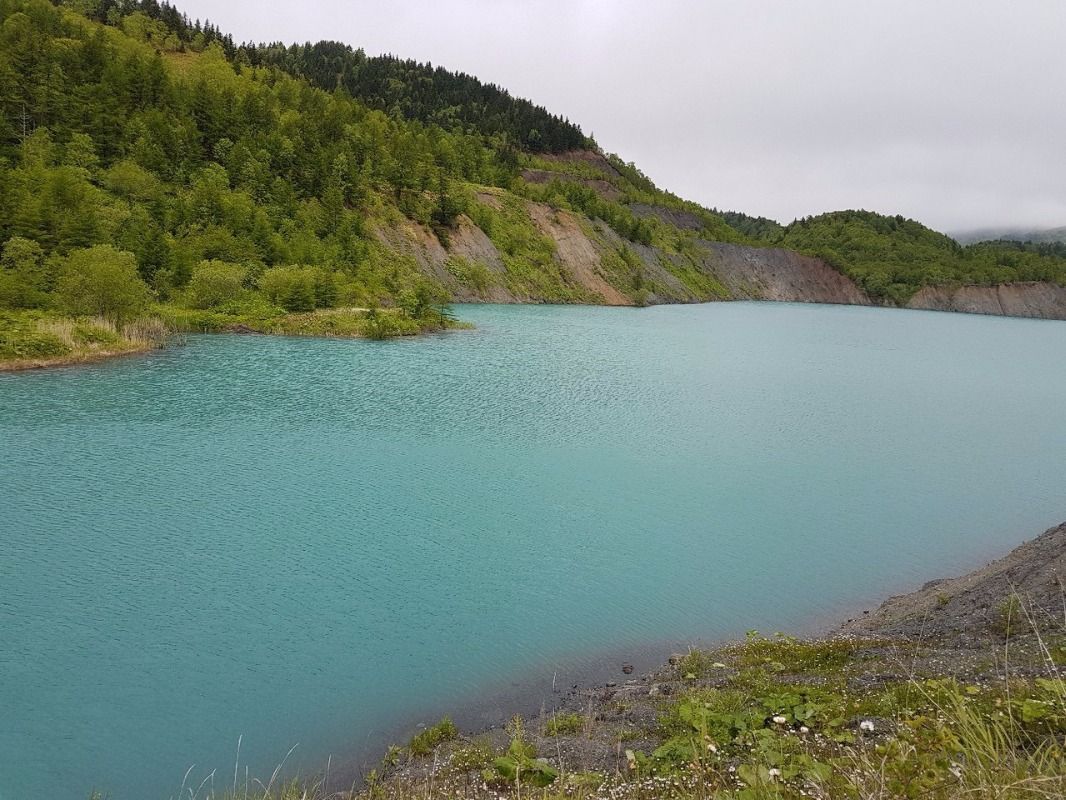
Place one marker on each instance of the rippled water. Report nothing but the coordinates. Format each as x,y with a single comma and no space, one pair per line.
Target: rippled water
314,542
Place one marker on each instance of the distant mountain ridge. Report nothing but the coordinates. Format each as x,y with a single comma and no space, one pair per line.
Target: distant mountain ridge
1010,234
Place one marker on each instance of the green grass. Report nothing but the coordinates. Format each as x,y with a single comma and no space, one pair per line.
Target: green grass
422,743
326,322
29,338
561,724
533,272
22,337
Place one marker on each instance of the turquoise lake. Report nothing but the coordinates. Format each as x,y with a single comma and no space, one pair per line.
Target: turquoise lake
322,543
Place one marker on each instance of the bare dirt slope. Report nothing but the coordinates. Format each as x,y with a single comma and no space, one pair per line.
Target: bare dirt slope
768,273
586,258
1039,300
745,273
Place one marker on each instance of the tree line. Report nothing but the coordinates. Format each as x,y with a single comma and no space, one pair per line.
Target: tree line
400,87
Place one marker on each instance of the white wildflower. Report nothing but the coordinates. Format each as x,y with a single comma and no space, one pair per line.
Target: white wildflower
866,725
780,720
804,729
775,773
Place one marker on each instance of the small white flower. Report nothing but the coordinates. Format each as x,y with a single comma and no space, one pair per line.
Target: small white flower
866,725
775,773
804,729
780,720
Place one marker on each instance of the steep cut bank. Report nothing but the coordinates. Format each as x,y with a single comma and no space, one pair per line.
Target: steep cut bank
1039,300
584,257
774,274
584,260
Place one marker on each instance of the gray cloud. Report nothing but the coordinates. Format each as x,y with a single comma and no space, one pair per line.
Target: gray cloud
949,111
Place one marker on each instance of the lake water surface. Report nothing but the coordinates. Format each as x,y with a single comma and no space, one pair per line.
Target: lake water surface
317,542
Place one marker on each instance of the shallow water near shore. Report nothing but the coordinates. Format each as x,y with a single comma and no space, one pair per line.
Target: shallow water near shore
317,541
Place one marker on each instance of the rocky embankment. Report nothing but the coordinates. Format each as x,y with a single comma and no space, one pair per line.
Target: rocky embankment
838,716
583,257
979,603
586,263
1038,300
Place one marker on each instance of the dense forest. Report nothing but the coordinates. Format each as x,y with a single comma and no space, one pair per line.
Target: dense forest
452,100
119,136
150,141
148,162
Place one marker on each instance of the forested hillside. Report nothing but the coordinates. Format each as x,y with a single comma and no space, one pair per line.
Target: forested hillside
241,188
892,257
150,164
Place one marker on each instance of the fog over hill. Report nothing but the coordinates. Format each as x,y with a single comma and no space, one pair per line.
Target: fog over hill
1011,234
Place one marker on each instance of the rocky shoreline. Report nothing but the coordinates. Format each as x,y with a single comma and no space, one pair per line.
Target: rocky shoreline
953,629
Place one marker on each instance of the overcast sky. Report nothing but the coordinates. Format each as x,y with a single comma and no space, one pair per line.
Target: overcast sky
949,111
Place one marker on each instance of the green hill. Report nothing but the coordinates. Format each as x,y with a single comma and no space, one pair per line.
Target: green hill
892,257
225,185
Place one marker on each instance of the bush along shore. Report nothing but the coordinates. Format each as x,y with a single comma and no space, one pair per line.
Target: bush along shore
36,339
955,691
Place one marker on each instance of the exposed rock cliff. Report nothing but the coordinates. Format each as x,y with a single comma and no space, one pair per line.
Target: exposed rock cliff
1040,300
769,273
591,263
586,257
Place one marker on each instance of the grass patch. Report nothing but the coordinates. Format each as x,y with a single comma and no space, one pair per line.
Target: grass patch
476,755
788,654
564,724
422,743
37,338
533,271
699,664
369,323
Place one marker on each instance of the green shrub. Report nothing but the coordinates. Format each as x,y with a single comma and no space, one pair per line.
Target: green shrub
378,324
214,283
1009,616
101,281
300,288
23,279
473,274
520,764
